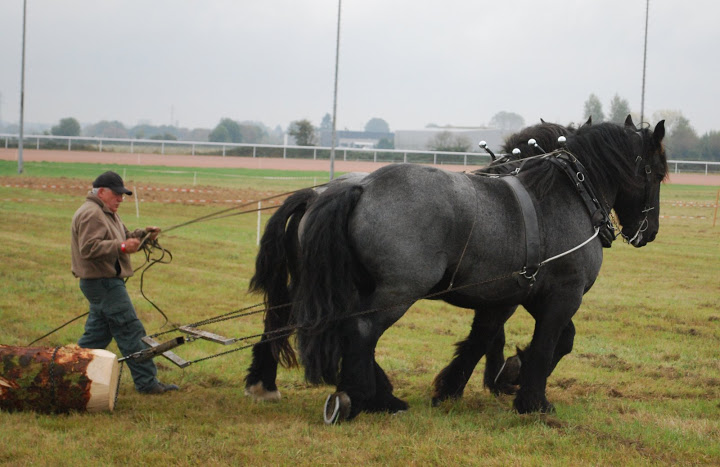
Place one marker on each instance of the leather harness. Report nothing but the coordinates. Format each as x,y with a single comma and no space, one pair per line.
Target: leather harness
599,216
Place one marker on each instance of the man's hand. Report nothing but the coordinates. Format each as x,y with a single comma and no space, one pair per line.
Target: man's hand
131,245
153,232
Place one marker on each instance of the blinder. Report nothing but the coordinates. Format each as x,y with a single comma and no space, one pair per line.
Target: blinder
643,225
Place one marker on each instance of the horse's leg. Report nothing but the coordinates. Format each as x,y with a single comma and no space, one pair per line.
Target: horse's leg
486,336
275,265
357,378
260,379
362,385
261,376
564,345
384,400
498,374
552,321
509,375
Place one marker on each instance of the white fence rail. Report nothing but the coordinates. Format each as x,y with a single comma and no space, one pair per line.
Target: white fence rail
152,146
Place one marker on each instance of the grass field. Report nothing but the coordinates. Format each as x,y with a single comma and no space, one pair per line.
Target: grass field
641,387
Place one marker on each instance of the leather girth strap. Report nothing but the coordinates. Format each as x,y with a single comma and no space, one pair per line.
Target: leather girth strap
532,229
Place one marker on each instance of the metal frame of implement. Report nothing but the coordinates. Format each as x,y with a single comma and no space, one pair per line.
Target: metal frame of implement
163,348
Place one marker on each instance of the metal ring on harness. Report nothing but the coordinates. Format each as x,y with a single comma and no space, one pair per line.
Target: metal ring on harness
530,277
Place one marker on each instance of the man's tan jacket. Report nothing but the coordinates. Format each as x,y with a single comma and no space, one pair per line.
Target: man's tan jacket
97,236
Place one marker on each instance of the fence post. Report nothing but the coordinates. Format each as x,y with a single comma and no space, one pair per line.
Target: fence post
69,143
100,147
37,145
254,152
162,148
314,154
284,152
132,149
193,149
258,223
223,150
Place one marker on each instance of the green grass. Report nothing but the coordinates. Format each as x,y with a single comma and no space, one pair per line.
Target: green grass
641,387
257,179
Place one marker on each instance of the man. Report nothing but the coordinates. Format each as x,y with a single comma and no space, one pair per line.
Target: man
101,248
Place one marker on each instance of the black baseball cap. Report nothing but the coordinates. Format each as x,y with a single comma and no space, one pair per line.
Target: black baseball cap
113,181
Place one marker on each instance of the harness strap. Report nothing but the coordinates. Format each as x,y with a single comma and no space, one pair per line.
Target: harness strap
532,229
599,216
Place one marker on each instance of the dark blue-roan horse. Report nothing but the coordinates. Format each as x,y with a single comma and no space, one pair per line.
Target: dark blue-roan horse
276,272
370,249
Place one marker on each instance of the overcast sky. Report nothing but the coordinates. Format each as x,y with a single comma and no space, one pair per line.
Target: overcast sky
409,62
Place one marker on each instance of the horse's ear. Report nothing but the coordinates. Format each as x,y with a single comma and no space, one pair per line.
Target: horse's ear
629,123
588,122
659,132
541,120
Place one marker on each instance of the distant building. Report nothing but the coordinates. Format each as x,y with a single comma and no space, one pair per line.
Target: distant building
418,140
353,139
421,139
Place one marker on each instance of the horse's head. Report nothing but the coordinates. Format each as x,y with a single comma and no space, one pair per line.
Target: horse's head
638,204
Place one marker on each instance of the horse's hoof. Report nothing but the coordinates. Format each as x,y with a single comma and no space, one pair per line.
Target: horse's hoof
507,389
389,404
258,393
337,408
437,400
528,406
397,406
509,374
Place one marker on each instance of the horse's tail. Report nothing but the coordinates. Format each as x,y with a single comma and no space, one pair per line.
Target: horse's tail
276,267
329,281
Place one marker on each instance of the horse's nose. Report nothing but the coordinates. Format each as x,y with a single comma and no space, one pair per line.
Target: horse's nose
652,236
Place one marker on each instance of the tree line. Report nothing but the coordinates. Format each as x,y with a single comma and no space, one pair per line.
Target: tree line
227,130
682,142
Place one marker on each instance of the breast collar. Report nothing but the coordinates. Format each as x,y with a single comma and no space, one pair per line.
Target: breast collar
599,216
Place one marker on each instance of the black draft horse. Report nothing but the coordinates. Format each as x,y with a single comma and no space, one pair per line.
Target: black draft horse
276,272
371,249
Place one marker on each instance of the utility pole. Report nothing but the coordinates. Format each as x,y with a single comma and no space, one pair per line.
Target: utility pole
642,99
22,93
334,117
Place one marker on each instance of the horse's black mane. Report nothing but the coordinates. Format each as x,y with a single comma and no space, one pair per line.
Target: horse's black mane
545,134
609,153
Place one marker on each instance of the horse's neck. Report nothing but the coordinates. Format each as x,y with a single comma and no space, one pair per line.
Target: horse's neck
607,194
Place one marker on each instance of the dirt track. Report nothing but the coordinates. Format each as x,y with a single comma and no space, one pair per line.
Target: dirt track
33,155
